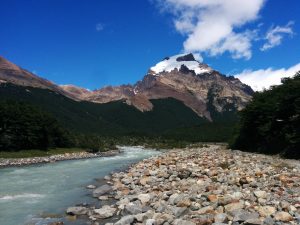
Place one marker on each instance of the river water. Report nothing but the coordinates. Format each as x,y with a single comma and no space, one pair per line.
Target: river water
32,192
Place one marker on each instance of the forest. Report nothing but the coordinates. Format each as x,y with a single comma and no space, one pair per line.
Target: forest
270,123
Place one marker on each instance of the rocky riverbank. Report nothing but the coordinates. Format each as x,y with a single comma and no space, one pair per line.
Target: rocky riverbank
199,186
54,158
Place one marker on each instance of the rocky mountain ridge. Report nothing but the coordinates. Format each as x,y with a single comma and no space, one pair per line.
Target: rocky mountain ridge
11,73
181,77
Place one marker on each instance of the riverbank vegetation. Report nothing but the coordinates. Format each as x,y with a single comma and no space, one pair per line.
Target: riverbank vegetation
38,153
270,123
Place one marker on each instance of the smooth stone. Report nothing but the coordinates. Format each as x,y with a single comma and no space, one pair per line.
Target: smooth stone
260,194
151,222
243,215
221,218
283,216
253,222
178,211
105,212
205,210
265,211
218,223
125,220
133,208
205,219
182,222
77,211
269,221
102,190
144,198
234,206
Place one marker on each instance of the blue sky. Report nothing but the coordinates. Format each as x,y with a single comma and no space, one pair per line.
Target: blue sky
101,42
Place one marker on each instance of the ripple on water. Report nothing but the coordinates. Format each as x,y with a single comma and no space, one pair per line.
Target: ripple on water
20,196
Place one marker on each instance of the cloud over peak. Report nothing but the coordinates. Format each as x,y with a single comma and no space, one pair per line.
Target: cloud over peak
211,25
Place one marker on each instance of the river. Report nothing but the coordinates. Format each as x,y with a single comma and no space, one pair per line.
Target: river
29,193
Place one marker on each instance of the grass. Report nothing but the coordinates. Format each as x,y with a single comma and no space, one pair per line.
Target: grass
39,153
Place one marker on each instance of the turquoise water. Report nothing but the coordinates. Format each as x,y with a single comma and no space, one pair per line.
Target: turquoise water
32,191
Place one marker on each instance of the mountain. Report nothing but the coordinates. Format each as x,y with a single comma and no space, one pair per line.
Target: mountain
169,118
181,77
178,98
11,73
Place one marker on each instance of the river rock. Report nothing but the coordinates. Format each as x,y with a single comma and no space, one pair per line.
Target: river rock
266,210
283,216
105,212
183,222
144,198
125,220
133,208
260,194
221,218
77,210
243,215
177,211
151,222
102,190
234,206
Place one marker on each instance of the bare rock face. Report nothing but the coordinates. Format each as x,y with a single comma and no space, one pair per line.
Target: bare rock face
183,78
80,93
11,73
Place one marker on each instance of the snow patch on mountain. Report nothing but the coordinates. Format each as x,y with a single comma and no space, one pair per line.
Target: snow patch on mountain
171,63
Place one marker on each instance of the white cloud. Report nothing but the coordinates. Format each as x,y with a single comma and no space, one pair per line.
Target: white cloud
263,79
275,35
99,26
211,25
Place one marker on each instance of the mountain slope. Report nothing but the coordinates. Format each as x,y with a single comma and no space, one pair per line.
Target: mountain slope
14,74
180,77
114,118
183,78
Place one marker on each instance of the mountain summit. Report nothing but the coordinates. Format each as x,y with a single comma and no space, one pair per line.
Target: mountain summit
181,77
178,62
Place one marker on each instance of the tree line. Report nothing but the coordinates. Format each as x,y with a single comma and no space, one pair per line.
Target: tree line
270,123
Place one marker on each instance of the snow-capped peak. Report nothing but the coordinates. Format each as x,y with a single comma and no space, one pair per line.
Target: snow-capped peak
170,63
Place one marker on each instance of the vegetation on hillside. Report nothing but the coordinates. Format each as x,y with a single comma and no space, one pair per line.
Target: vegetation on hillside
23,126
101,124
271,122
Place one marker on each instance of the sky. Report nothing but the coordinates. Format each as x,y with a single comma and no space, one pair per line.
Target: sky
95,43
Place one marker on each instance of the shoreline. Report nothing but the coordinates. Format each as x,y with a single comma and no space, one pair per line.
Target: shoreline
198,186
20,162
